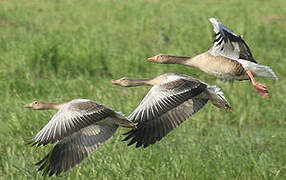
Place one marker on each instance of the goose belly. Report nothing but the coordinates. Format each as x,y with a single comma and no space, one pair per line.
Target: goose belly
224,68
228,75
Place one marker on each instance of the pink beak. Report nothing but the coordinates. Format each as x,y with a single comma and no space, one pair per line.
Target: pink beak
152,59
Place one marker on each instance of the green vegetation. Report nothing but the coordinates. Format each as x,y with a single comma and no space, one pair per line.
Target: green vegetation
61,50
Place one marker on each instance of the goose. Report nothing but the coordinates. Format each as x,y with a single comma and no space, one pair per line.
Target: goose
79,127
229,58
172,99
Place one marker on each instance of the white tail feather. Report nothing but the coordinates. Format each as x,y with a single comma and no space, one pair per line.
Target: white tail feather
258,69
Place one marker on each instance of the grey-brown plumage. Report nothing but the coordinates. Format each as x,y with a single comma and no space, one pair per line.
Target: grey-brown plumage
71,150
154,129
80,127
172,100
70,118
229,58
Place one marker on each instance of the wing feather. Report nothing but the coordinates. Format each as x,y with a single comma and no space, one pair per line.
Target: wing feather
72,117
73,149
166,97
164,108
229,44
151,131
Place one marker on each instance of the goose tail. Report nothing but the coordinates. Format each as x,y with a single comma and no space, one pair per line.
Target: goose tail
258,69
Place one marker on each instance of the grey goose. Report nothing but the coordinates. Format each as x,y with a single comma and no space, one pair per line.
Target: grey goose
172,99
79,127
230,58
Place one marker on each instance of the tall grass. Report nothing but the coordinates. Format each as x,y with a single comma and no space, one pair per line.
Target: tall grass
61,50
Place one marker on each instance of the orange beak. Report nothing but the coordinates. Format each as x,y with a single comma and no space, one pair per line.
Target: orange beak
114,82
28,106
152,59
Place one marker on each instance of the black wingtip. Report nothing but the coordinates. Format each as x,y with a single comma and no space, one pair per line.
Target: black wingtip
125,139
43,160
128,137
29,143
46,170
138,144
41,168
146,145
52,172
127,133
133,141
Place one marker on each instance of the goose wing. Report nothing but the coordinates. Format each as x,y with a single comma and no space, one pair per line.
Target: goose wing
148,132
166,96
73,149
228,44
164,108
72,117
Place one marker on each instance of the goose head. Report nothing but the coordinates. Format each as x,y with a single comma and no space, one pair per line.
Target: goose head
125,82
161,58
37,105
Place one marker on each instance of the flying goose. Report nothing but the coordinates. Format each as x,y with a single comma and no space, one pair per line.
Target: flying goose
229,58
79,128
172,99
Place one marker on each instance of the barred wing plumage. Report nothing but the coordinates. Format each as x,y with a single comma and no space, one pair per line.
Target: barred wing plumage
73,116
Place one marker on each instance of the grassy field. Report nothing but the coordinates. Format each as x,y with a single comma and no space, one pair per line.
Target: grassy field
61,50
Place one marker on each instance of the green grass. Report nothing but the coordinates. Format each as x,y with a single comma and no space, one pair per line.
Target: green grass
61,50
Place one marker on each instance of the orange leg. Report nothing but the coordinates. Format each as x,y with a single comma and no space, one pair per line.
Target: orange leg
261,89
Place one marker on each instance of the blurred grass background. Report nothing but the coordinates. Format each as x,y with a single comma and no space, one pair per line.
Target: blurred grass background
60,50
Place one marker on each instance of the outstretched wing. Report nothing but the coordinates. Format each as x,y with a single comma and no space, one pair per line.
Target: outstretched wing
73,149
164,97
148,132
228,44
164,108
72,117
